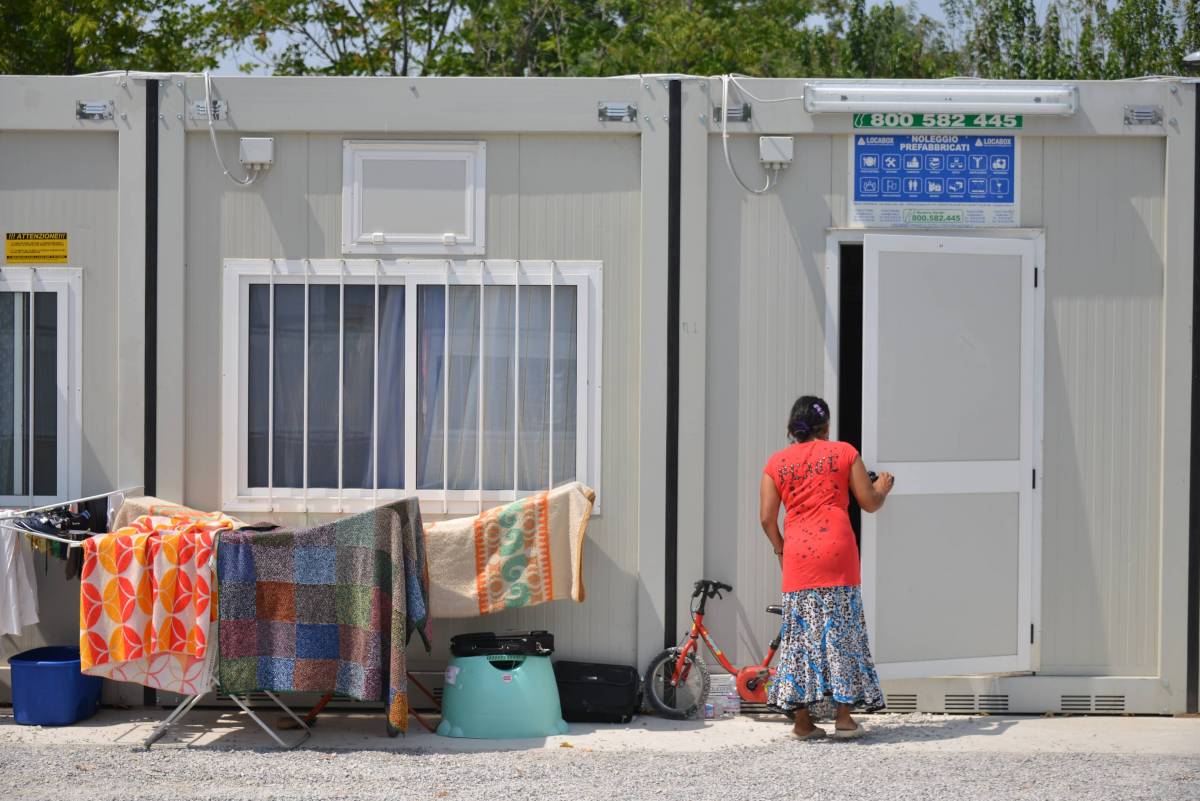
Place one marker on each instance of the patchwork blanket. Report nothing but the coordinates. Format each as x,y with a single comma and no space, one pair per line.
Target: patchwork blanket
326,609
147,601
522,554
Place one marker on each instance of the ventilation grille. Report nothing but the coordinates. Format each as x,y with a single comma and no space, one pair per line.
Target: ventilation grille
971,703
902,702
993,703
1098,704
256,698
1075,703
960,703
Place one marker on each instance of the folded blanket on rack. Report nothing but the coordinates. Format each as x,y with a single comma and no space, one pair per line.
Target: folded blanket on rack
142,505
147,601
326,609
522,554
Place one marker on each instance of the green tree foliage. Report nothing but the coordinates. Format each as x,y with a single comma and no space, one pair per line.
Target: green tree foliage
1053,62
1011,39
1076,39
328,37
68,37
890,41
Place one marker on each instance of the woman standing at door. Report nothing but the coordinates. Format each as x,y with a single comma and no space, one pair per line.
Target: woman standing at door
824,652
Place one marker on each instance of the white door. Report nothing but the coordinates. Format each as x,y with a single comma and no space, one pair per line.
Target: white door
949,392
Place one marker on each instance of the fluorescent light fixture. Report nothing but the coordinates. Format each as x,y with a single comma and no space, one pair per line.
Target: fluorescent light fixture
951,96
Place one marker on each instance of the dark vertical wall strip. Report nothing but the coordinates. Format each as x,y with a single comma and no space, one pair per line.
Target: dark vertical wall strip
674,164
149,466
850,315
150,434
1193,591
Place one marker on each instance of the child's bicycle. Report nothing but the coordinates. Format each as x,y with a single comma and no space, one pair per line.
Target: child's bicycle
677,680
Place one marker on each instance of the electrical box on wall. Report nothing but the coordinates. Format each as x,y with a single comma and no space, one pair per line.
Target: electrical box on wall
775,151
257,151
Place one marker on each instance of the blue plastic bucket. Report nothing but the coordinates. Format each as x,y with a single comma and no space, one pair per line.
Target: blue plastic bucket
49,690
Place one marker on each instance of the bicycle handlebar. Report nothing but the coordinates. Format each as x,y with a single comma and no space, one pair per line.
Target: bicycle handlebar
710,588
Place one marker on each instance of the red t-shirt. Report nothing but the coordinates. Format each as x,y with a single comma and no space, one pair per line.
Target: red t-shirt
813,479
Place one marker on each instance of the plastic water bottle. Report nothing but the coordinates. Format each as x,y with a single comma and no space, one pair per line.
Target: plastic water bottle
732,705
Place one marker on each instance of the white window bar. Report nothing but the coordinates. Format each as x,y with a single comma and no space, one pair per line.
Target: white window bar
304,424
410,386
375,395
341,375
33,279
271,387
480,393
446,394
517,380
550,435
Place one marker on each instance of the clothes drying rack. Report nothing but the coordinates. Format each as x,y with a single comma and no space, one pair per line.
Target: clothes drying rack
188,703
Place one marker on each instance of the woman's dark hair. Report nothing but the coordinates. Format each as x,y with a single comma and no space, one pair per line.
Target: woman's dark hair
810,416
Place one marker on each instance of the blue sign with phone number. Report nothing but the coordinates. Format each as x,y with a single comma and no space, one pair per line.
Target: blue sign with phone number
934,168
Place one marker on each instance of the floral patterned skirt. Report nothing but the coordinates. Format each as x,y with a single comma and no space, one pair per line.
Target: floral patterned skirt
824,653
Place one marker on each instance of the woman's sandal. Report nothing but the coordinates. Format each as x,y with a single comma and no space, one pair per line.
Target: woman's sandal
816,734
848,734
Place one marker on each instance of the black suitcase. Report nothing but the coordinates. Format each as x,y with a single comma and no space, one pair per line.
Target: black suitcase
489,643
592,693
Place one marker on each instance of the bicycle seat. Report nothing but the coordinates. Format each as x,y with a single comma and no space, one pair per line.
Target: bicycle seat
775,609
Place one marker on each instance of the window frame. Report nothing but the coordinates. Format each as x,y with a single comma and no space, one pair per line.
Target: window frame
65,282
240,274
357,152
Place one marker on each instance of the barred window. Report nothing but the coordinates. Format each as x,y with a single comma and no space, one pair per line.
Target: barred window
466,383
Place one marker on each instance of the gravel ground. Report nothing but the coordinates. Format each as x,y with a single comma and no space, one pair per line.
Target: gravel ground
885,766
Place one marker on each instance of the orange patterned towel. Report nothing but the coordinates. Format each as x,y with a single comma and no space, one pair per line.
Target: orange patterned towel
522,554
147,601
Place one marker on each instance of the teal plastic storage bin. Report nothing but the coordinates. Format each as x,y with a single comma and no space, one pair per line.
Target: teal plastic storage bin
49,690
499,697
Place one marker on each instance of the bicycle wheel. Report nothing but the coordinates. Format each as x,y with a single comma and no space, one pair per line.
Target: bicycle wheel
684,699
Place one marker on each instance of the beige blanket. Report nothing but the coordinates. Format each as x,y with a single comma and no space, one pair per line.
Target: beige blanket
522,554
142,505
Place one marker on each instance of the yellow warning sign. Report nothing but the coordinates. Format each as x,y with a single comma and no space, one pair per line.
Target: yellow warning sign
35,248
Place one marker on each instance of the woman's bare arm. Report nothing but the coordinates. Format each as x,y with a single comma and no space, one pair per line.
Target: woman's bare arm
870,496
768,514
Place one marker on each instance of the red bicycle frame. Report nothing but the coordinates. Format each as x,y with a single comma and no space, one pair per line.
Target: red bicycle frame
751,680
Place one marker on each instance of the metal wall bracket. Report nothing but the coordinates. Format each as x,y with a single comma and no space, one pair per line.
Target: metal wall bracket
617,112
737,112
1143,115
93,109
198,111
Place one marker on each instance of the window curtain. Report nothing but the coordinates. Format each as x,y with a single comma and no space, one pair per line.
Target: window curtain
326,331
502,342
14,393
516,439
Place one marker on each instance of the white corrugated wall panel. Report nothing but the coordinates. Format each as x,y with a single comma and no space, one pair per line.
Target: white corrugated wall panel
68,182
549,197
578,198
766,312
1103,211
